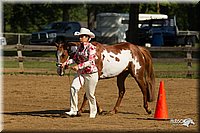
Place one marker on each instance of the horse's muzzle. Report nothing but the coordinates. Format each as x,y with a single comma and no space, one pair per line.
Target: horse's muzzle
60,70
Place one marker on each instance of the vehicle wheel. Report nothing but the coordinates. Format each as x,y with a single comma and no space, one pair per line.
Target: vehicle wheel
190,40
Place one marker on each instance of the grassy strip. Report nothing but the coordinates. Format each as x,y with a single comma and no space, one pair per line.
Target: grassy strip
180,66
169,70
30,64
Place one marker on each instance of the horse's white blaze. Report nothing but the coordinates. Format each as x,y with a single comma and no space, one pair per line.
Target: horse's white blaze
74,49
59,53
114,64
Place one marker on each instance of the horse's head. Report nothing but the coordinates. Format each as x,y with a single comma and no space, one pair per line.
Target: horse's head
64,51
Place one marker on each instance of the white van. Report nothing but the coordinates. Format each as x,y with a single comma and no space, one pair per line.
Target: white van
3,41
112,26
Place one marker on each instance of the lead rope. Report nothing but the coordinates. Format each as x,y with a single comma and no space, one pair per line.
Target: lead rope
79,77
69,78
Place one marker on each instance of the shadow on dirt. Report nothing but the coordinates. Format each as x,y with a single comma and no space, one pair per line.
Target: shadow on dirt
45,113
57,113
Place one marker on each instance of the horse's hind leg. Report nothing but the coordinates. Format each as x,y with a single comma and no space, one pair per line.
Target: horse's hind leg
120,83
143,86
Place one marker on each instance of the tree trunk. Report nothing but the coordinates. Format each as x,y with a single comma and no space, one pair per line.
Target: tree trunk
133,23
158,7
91,17
14,19
66,8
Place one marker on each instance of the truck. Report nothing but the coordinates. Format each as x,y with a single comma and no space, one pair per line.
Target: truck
54,32
165,32
113,26
3,41
154,29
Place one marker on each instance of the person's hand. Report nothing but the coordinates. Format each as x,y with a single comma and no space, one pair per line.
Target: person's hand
75,68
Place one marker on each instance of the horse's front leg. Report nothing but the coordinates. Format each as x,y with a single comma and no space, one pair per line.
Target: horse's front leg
99,109
83,104
120,83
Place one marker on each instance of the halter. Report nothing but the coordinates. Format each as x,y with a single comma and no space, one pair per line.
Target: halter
65,53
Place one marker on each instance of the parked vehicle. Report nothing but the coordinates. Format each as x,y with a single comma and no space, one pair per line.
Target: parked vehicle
57,31
159,32
3,41
113,26
154,30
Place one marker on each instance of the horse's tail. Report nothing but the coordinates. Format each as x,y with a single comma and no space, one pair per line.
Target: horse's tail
149,74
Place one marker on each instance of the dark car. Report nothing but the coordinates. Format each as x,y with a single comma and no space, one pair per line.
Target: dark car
58,31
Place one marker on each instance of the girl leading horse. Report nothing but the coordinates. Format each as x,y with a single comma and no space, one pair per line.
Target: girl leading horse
119,61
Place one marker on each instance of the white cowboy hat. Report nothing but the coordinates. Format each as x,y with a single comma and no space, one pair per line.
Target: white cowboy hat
84,31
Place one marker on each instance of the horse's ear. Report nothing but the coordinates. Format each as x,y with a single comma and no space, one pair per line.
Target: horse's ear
56,44
74,43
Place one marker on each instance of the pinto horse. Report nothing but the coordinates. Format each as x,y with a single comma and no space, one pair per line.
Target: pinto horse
119,61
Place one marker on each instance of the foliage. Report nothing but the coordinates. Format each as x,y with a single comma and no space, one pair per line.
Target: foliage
27,17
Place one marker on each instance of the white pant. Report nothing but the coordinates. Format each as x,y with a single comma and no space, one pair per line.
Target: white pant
90,81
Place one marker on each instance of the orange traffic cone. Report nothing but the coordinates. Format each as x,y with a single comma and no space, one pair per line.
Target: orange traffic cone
161,107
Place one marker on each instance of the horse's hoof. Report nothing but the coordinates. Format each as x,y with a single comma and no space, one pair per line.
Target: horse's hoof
112,112
80,111
149,111
100,112
78,114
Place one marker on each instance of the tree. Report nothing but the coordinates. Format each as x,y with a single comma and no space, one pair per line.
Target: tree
23,17
91,13
133,23
65,12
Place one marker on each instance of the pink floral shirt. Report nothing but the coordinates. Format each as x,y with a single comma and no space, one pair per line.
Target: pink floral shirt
85,58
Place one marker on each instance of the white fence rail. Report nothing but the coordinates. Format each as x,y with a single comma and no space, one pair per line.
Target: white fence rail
16,38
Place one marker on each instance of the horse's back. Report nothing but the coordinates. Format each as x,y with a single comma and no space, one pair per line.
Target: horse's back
114,59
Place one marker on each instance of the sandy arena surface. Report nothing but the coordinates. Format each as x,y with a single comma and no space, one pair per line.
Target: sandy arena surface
35,102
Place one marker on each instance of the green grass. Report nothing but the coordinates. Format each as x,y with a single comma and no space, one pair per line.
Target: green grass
31,53
167,70
180,66
29,64
175,70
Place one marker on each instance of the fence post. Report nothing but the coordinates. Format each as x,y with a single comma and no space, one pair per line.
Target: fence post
18,39
189,60
20,58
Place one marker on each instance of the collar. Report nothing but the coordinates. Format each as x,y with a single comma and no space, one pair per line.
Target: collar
86,43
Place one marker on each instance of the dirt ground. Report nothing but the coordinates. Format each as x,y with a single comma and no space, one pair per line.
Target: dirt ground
35,102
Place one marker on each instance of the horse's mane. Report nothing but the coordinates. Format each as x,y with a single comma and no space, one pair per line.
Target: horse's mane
73,43
98,44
